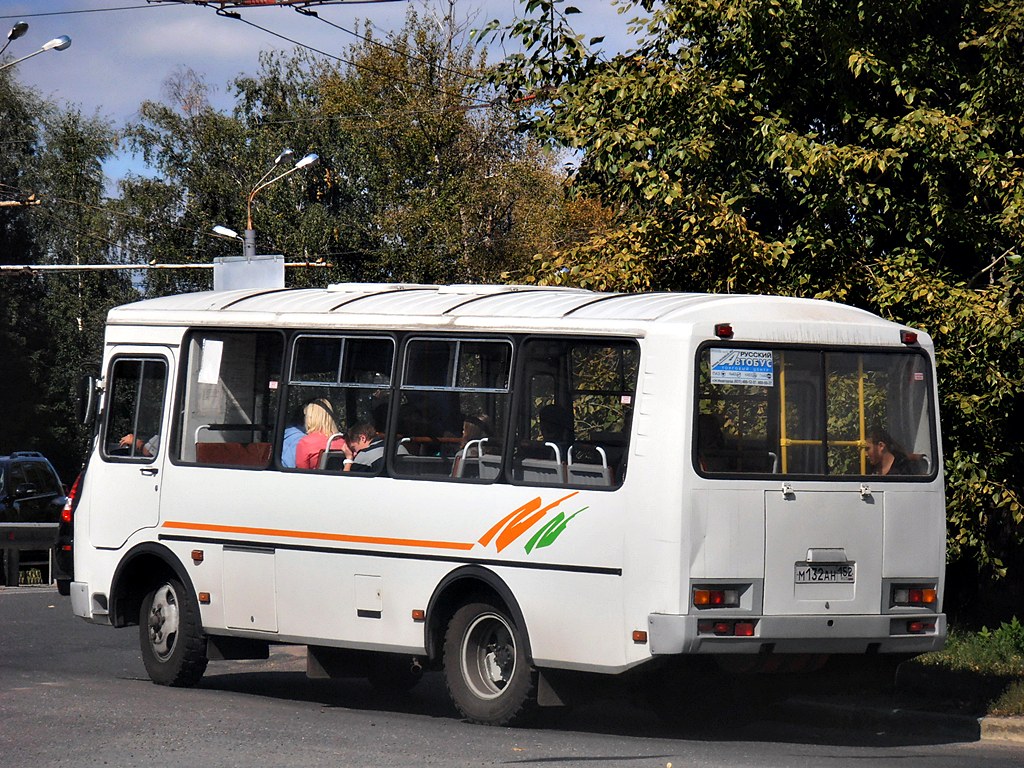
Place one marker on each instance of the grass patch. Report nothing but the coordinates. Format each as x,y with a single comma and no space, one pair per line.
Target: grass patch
991,651
981,671
1011,702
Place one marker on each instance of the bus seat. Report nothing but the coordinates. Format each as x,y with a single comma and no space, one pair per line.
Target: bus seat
233,454
490,467
589,474
409,464
594,470
919,464
332,460
543,471
466,463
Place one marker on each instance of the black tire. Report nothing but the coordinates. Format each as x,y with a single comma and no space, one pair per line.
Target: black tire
489,677
173,643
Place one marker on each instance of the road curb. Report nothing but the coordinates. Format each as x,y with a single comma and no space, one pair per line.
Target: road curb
889,719
1002,729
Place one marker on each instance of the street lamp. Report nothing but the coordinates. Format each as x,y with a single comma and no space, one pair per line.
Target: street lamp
249,242
227,234
17,31
58,43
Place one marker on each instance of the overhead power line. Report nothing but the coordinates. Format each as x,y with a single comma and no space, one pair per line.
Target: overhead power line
129,267
349,62
171,3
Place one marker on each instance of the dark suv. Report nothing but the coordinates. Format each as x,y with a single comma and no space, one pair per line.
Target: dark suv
30,492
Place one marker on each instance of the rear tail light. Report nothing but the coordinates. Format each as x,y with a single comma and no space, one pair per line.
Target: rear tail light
920,627
727,628
716,598
914,596
67,514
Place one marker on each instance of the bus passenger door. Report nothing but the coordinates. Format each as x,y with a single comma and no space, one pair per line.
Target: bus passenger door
126,481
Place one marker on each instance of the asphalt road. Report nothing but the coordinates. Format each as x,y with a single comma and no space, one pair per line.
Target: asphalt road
73,694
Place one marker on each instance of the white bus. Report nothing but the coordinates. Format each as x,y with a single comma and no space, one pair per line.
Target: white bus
648,477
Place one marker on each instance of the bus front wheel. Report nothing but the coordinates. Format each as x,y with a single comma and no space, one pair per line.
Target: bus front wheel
173,645
486,669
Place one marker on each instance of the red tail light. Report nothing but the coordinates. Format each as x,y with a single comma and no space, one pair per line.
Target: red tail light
68,512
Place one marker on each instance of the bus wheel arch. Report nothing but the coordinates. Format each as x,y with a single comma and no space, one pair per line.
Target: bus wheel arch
464,585
139,571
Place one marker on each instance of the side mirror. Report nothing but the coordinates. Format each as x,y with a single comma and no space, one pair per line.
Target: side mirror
85,404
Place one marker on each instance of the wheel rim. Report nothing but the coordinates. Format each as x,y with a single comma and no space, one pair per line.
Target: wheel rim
488,655
163,622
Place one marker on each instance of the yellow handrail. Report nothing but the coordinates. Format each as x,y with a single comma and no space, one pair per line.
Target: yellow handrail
785,441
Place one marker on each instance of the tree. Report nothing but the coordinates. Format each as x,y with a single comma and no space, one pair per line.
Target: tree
72,227
454,192
50,323
419,179
19,294
862,151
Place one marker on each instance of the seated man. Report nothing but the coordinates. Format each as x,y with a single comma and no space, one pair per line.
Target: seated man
886,457
364,449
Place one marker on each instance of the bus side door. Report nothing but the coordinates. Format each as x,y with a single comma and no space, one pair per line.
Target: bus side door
126,481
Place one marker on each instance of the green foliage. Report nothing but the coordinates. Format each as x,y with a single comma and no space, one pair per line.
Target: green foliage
862,151
50,323
418,179
998,651
1011,702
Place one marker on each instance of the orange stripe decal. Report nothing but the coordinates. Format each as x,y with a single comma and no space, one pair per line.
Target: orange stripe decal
319,536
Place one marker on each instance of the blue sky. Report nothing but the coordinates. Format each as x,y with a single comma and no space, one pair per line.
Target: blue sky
122,51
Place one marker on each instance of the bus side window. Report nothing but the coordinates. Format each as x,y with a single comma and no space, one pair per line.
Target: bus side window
135,408
574,412
349,377
452,413
230,398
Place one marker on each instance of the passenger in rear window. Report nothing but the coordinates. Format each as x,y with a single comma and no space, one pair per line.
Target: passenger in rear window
886,457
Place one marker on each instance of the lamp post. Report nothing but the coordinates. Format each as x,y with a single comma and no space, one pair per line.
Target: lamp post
249,240
57,44
17,31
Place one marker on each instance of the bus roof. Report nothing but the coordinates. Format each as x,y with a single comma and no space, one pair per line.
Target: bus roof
509,307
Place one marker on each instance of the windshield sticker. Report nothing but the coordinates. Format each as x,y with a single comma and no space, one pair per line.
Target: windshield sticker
749,367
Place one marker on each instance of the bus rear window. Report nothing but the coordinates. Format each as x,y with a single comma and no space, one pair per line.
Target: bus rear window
813,413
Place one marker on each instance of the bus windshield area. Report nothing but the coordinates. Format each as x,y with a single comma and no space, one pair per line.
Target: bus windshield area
814,413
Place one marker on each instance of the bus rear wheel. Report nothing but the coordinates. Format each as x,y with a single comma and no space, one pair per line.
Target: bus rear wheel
173,645
486,669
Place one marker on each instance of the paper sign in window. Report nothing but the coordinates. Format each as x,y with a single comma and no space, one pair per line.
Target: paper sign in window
213,352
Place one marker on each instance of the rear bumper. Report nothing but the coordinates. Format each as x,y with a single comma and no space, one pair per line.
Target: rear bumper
674,634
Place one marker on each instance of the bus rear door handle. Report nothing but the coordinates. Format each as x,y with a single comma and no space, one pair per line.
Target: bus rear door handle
149,471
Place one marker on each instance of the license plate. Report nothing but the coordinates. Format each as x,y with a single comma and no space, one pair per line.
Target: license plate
825,573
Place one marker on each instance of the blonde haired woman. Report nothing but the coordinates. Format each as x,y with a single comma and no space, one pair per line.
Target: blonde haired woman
320,425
